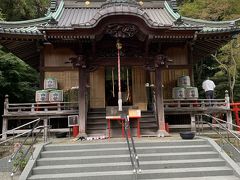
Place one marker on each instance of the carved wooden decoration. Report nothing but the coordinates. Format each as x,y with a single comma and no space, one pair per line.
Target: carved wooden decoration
78,61
161,60
121,30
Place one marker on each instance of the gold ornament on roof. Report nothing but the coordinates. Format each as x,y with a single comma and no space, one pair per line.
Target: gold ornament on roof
87,3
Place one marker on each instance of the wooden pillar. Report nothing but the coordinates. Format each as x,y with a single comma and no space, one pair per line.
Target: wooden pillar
159,103
82,101
5,120
190,60
160,61
80,63
41,67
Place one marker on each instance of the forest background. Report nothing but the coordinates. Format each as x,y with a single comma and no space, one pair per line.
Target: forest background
20,81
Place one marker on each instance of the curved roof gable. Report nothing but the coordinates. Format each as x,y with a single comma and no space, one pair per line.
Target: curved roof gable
88,17
70,14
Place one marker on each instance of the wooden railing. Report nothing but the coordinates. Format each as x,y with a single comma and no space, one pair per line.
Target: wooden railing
41,107
195,103
68,107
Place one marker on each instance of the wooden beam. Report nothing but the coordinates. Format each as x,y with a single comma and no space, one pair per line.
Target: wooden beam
41,65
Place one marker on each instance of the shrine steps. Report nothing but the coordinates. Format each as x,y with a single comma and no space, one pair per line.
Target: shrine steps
105,160
97,124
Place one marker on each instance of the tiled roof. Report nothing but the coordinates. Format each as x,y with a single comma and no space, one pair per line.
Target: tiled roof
155,15
85,17
71,14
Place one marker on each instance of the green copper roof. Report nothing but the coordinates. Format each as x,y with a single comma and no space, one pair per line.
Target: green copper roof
30,27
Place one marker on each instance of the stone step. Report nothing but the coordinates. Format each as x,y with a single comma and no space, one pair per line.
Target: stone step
138,143
123,150
125,158
203,178
124,166
185,172
145,174
119,175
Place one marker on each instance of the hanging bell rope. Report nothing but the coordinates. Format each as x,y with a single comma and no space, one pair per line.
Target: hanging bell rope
128,89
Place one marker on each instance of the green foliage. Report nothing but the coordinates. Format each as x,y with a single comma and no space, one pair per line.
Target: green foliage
206,68
214,10
1,15
17,79
228,58
225,71
20,162
23,9
71,95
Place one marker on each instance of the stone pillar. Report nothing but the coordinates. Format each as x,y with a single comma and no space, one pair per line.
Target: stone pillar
5,120
45,133
229,112
193,123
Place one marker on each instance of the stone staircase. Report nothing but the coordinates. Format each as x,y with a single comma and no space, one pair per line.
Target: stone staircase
104,160
97,124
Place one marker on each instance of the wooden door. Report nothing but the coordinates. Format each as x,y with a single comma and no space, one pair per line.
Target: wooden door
138,88
97,88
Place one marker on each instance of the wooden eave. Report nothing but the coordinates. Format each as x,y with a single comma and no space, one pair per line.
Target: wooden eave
25,50
206,44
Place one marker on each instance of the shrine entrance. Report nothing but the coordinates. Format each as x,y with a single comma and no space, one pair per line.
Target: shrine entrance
111,86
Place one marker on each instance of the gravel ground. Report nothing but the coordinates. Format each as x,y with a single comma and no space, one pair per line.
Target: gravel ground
6,176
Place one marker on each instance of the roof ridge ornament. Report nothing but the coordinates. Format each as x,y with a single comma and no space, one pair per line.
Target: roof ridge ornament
53,5
178,21
52,21
110,3
174,5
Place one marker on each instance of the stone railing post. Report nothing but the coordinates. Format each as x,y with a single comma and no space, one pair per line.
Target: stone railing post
5,120
6,102
229,112
227,99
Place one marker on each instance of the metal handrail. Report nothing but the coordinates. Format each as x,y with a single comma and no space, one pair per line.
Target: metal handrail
12,130
226,129
131,147
20,148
